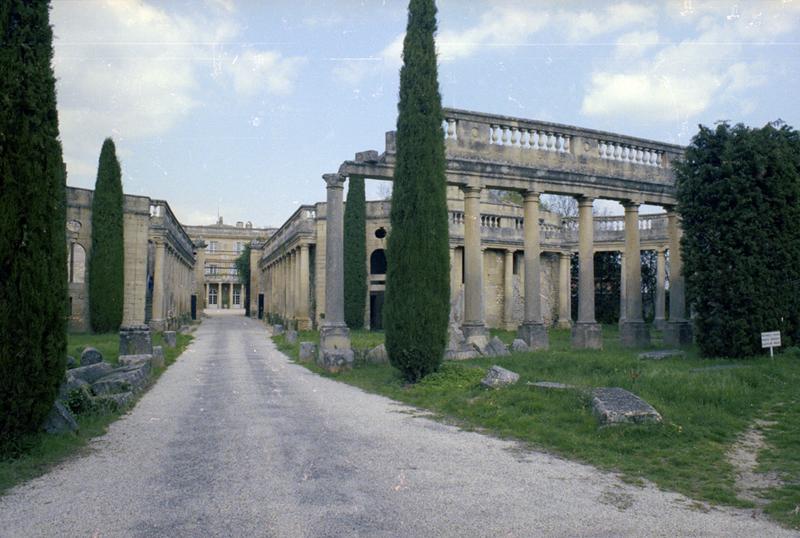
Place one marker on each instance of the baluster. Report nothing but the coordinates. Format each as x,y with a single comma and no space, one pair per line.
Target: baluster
514,136
601,148
657,162
506,134
566,144
647,157
451,128
617,152
492,134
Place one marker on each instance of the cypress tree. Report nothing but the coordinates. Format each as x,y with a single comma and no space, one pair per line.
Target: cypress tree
355,254
739,197
33,264
106,270
417,280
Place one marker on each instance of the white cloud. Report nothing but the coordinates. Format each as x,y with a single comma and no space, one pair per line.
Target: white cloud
585,25
256,71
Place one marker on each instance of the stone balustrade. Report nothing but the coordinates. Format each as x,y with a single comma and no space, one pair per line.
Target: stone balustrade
301,222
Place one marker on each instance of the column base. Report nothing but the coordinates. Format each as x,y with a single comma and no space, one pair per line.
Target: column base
335,354
564,324
634,334
587,335
660,324
476,333
678,333
534,334
158,325
303,324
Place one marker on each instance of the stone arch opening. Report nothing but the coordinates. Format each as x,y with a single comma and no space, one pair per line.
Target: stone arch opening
377,262
76,264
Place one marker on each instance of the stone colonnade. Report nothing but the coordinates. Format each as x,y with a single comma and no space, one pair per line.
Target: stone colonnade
586,332
172,285
287,284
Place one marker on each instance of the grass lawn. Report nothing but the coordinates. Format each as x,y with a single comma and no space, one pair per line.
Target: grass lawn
35,454
704,411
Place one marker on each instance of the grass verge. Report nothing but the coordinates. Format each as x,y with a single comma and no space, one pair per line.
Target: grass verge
704,407
35,454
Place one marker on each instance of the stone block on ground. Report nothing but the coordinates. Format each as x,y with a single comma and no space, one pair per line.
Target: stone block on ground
457,347
135,339
308,350
335,360
158,357
498,377
170,339
91,355
277,329
127,378
128,360
495,348
519,346
551,385
60,419
661,354
71,362
71,383
93,372
291,337
615,405
114,402
378,355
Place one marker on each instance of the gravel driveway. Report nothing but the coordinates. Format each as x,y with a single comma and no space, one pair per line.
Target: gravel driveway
234,440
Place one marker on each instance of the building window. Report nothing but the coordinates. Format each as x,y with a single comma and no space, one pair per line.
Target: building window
212,295
76,263
212,246
377,262
239,247
237,295
211,270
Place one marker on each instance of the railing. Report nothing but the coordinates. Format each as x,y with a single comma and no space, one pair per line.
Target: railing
302,220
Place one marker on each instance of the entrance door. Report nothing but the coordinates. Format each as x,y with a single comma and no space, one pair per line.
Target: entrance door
376,310
194,306
260,306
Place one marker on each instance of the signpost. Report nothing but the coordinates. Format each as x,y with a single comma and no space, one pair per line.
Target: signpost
771,340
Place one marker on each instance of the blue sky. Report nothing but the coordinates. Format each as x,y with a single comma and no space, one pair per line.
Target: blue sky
241,106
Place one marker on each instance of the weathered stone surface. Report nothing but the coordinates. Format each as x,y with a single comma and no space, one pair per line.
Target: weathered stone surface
291,337
495,348
158,357
378,355
114,402
519,346
71,362
135,340
128,360
535,335
587,336
308,350
498,377
634,334
127,378
93,372
615,405
551,385
71,383
677,333
91,355
457,346
277,329
335,360
661,354
170,339
60,419
367,156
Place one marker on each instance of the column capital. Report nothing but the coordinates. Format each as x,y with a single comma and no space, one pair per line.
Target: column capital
530,196
630,205
471,191
510,251
567,254
334,181
584,201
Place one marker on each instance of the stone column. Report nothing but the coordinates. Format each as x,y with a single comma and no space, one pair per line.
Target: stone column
659,320
678,332
335,353
532,329
474,327
291,313
454,283
158,322
303,314
586,332
622,294
508,291
633,332
564,291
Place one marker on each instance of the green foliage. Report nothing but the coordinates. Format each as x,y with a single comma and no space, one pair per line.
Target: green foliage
739,197
106,269
417,280
355,254
33,263
242,264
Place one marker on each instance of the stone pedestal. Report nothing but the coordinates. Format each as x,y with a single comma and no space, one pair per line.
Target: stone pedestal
534,334
587,336
677,333
476,333
135,340
634,334
335,353
564,324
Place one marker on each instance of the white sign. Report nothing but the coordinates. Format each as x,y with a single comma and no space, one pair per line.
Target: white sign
771,340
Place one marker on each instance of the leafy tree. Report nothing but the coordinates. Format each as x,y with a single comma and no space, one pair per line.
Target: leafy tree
355,254
739,198
417,280
242,264
106,263
33,263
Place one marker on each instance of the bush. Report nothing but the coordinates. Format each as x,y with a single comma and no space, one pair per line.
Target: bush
355,254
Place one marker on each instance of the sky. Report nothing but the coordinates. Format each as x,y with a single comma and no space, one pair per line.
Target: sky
237,107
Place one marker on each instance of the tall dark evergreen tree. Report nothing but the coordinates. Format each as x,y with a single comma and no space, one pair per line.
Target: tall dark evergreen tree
355,254
33,265
106,263
417,279
739,198
242,264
